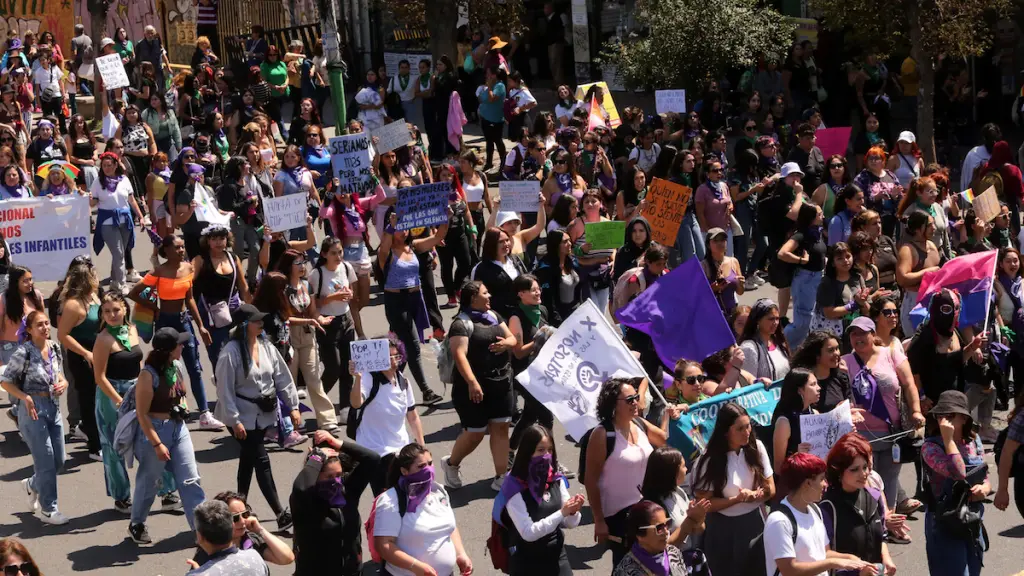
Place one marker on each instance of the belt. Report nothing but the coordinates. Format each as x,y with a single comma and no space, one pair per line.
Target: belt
40,394
412,290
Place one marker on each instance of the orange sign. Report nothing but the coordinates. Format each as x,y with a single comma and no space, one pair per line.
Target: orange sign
666,206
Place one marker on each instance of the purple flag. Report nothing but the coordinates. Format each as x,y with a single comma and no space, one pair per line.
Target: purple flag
681,315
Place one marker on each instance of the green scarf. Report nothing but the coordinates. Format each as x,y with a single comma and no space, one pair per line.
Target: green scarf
532,312
171,374
403,81
121,334
930,209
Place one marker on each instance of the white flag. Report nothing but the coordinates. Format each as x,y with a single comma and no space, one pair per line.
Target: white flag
568,372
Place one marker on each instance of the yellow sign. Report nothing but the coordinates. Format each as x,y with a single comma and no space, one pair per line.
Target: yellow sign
606,102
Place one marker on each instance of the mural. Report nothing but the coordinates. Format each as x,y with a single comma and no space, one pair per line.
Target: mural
132,15
55,16
181,29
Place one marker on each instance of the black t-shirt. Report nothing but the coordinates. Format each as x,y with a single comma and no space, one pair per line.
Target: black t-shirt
814,249
485,364
834,390
183,197
832,292
938,371
529,331
813,165
39,152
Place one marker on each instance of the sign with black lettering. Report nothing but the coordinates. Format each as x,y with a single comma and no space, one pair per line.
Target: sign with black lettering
350,161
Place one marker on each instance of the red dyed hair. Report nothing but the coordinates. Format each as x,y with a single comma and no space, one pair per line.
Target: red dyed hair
875,151
843,453
799,468
913,191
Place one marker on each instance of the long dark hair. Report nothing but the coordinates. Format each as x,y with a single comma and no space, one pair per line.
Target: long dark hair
527,445
325,246
640,514
405,458
14,300
751,332
554,243
791,402
160,360
660,477
806,356
560,213
711,468
830,262
270,296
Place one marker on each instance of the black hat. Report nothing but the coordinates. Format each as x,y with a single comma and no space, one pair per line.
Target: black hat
247,313
167,339
951,402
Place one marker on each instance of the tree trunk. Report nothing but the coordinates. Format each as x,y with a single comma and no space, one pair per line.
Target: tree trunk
98,16
926,93
442,16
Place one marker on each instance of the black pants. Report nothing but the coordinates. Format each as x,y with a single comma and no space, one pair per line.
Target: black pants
85,385
429,291
455,252
379,481
400,310
274,111
533,413
515,129
481,228
335,354
493,137
254,456
55,108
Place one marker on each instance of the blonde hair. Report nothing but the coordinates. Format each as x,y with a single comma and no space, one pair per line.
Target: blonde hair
203,42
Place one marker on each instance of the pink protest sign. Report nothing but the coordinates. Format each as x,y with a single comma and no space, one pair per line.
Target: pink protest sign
833,140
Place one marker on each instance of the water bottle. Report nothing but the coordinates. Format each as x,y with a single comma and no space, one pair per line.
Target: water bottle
436,347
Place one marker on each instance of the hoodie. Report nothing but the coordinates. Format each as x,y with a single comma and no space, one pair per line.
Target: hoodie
629,254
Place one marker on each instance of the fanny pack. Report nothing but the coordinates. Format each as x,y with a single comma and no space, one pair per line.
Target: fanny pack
266,402
220,312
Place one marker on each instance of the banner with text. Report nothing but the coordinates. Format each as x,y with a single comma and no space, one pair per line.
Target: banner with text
691,432
425,205
667,203
112,71
285,212
822,431
670,101
351,162
519,196
45,234
391,136
567,374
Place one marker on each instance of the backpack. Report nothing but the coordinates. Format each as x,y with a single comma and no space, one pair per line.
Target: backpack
755,553
445,356
1017,468
497,547
609,433
355,415
619,298
349,273
371,521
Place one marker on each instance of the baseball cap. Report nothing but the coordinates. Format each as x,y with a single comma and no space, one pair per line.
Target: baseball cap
247,313
167,339
715,233
862,323
907,136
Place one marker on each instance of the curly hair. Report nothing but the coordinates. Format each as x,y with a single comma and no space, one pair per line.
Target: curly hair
608,397
806,356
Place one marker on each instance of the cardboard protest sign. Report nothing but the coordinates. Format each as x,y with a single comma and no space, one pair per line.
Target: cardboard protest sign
370,355
667,203
285,212
351,163
112,71
391,136
832,140
670,101
692,431
605,235
519,196
822,431
207,209
986,205
45,234
567,374
425,205
609,104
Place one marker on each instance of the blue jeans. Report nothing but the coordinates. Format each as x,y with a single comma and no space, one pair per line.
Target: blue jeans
689,240
948,556
174,435
45,439
748,221
804,290
182,322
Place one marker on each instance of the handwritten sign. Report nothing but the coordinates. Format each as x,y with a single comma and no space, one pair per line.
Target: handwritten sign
822,431
609,105
667,203
986,205
391,136
519,196
206,207
425,205
605,235
391,60
285,212
833,140
670,101
112,71
371,355
45,234
351,163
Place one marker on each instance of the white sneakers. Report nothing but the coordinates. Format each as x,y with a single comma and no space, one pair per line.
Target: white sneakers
54,518
31,494
208,422
452,475
498,481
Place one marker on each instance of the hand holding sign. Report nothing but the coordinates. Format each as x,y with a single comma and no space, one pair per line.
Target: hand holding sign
370,355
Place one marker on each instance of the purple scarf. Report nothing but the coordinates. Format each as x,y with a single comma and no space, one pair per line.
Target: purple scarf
417,486
488,318
332,491
657,563
110,184
540,475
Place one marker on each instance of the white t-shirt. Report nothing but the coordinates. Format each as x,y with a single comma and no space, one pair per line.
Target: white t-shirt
333,282
395,86
383,426
811,539
562,111
425,534
676,506
738,475
116,200
522,96
43,78
645,159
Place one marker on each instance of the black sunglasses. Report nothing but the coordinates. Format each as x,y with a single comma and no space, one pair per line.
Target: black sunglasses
750,128
560,162
235,518
27,568
890,313
715,170
631,399
698,379
836,166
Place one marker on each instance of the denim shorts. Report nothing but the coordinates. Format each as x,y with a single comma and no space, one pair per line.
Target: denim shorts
359,257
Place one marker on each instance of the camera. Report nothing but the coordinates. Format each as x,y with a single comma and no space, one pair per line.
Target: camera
178,412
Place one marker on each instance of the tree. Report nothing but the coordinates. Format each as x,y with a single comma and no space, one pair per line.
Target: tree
956,28
688,42
98,14
439,17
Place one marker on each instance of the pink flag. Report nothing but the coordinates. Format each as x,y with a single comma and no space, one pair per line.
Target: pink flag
456,120
596,119
833,140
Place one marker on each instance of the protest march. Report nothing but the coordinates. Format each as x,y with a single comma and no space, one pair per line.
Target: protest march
763,322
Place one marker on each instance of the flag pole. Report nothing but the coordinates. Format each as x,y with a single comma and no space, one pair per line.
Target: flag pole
651,385
988,301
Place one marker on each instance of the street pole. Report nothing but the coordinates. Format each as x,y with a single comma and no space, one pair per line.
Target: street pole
335,65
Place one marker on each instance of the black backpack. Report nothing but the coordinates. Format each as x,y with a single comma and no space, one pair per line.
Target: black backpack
609,432
755,563
355,415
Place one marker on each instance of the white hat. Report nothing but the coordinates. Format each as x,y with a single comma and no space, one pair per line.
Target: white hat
504,217
790,168
907,136
106,42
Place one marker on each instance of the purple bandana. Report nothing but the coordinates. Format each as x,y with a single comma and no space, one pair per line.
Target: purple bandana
417,486
332,491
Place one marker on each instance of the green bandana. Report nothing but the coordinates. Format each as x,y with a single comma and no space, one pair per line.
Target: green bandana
121,334
171,374
403,81
532,312
930,209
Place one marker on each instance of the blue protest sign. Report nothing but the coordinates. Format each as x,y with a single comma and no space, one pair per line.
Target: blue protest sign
425,205
691,432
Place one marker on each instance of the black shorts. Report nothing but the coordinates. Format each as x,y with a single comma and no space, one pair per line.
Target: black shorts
495,407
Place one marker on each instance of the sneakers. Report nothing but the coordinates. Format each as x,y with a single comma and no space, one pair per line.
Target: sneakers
331,428
569,474
498,481
78,434
96,456
284,520
909,506
132,276
208,422
294,439
751,283
123,506
302,393
271,436
452,475
31,494
170,502
139,534
430,397
54,518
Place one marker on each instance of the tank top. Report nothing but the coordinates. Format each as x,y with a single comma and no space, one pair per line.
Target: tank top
474,193
907,170
166,395
214,286
85,333
134,137
159,187
402,274
83,149
125,364
624,473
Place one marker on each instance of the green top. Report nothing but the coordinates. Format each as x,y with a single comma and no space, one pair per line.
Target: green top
163,128
221,142
126,50
275,74
85,333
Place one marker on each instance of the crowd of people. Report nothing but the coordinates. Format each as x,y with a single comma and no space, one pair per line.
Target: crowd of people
845,247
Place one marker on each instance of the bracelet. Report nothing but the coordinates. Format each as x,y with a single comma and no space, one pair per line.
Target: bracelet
851,305
158,444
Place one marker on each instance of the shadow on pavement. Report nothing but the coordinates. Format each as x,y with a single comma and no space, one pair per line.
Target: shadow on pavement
224,448
126,552
1015,532
480,490
581,558
447,434
12,446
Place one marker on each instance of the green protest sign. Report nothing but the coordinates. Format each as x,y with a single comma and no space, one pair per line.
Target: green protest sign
605,235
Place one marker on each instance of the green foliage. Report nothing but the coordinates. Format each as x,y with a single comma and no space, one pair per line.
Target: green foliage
483,14
688,42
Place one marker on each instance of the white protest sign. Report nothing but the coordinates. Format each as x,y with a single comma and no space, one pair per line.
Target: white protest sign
206,207
567,374
670,101
112,71
371,355
519,196
285,212
391,136
391,60
351,163
822,431
45,234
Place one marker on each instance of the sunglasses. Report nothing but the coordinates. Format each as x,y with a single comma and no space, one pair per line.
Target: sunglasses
692,380
659,528
750,128
890,313
631,399
836,166
26,568
560,162
236,518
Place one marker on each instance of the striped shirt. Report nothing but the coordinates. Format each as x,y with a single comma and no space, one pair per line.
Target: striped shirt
206,15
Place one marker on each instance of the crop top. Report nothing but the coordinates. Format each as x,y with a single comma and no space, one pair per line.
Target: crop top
345,225
402,274
125,364
169,288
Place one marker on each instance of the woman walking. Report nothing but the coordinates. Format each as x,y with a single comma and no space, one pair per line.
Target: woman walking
331,284
220,284
76,331
116,213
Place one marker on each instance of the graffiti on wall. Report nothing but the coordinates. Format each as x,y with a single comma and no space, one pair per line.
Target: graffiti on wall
38,16
132,15
181,29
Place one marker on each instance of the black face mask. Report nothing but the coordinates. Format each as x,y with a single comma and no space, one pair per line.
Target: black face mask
944,324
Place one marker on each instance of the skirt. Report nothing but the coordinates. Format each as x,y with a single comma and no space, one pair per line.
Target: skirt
727,540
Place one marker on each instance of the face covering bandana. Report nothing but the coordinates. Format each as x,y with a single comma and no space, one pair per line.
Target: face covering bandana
539,474
943,312
332,491
417,486
657,564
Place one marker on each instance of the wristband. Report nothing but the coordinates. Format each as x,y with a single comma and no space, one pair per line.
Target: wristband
158,444
851,306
